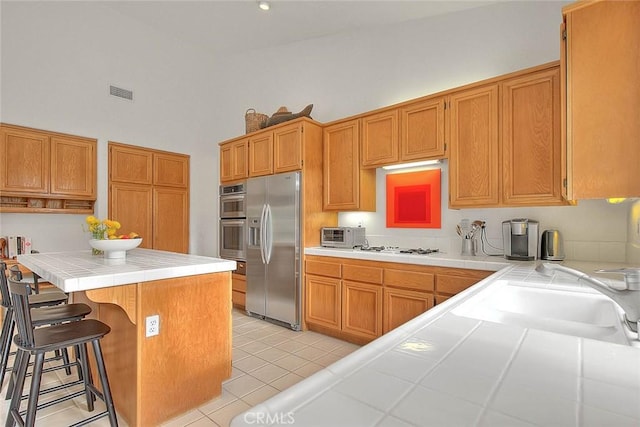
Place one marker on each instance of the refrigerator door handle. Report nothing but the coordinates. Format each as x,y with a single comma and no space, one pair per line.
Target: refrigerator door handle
268,234
263,233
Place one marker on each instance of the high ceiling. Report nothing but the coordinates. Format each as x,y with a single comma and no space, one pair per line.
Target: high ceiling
239,25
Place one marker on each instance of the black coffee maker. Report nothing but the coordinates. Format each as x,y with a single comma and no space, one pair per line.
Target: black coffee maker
520,239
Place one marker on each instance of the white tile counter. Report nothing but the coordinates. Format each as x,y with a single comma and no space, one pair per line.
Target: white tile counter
80,270
442,369
438,259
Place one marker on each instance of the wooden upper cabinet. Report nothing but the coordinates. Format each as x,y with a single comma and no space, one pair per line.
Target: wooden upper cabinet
155,201
287,148
171,170
131,165
422,130
261,154
170,219
346,186
380,139
473,159
531,139
601,68
73,167
234,156
46,172
132,206
25,161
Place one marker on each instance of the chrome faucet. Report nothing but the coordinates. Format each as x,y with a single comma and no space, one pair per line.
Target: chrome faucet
628,298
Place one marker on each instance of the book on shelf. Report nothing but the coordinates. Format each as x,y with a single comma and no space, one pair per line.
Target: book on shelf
18,245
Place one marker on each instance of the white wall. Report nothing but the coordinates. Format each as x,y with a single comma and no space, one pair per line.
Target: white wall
59,58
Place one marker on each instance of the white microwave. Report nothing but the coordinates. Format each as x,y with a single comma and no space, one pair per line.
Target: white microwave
342,237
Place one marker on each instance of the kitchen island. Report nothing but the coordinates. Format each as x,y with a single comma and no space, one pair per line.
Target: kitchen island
156,370
452,366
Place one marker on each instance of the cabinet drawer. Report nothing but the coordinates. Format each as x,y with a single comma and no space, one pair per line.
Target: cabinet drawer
360,273
238,283
454,284
322,268
239,298
409,279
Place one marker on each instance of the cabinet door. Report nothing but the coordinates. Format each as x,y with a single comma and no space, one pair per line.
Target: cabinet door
380,139
24,166
346,186
422,130
130,165
73,167
474,169
362,309
239,156
171,219
131,205
531,139
261,154
400,306
233,160
323,301
171,170
287,147
603,99
226,162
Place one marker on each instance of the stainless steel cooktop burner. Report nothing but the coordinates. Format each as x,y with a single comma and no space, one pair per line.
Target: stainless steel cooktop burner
397,250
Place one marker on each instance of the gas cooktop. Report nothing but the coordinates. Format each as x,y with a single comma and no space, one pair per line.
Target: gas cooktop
397,250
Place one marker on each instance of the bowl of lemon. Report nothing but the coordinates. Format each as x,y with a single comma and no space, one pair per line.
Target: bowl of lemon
116,247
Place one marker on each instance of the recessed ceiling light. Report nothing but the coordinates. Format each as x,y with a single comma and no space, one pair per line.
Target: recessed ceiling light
264,5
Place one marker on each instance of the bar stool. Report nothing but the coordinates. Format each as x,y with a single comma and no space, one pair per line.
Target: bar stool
32,279
36,342
46,309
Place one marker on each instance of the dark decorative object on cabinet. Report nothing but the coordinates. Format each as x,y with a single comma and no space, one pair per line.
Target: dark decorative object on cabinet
283,115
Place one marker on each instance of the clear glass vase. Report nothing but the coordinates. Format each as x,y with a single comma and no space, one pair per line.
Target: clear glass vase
98,235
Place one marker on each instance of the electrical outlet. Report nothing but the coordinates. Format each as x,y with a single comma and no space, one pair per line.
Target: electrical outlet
153,325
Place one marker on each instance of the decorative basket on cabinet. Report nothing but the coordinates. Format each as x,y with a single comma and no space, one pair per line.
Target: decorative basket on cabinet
254,121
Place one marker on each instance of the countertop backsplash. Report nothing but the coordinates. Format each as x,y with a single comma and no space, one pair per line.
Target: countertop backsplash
593,230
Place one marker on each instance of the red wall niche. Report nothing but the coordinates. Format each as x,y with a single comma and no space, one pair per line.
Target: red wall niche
413,199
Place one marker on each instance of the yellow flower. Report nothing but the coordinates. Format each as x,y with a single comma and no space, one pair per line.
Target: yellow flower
101,229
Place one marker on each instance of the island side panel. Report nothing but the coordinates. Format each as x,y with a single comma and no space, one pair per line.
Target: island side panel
184,366
119,348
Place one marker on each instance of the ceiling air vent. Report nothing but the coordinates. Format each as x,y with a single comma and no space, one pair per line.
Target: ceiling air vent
121,93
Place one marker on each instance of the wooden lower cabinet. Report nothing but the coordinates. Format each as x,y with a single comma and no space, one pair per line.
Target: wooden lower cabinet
448,285
401,305
359,300
238,290
362,309
323,305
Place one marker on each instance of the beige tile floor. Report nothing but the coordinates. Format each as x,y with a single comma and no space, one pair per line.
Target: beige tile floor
266,360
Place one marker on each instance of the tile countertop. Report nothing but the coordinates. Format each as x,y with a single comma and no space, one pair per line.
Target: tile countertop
80,270
489,263
441,369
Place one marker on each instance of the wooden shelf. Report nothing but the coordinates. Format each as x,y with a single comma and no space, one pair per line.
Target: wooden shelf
10,204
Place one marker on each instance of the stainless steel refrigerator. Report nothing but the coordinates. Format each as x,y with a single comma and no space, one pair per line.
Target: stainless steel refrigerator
273,248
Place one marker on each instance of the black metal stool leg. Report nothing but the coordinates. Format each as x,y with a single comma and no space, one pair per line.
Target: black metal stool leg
5,342
18,375
34,392
104,381
84,364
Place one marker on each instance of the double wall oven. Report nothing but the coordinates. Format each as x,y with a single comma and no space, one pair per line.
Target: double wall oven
233,220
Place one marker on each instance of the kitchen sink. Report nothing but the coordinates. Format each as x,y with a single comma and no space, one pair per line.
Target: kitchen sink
577,313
